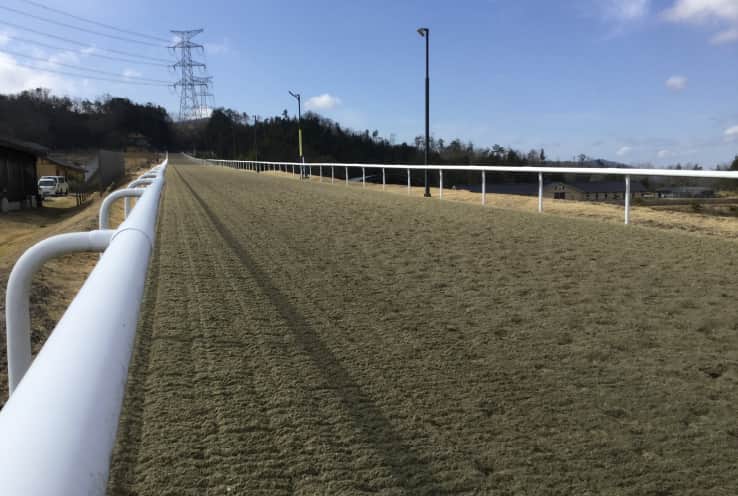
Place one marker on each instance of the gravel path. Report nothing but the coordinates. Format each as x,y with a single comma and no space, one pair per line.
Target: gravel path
315,339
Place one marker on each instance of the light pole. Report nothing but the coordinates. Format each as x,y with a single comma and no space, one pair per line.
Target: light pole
256,143
299,134
425,33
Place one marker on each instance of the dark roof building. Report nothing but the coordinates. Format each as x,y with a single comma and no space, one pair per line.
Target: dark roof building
18,188
595,189
607,186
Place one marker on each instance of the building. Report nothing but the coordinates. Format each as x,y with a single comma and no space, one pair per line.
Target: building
593,190
18,179
105,168
579,190
52,165
685,192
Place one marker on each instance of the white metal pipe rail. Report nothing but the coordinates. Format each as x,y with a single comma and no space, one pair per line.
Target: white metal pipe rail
484,169
58,428
17,296
111,198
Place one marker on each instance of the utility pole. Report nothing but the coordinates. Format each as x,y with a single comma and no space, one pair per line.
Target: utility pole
425,33
299,134
193,89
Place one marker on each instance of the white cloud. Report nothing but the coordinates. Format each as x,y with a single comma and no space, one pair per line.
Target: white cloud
15,78
64,58
727,36
731,134
624,150
676,83
130,73
626,10
720,12
664,153
213,48
325,101
702,10
4,38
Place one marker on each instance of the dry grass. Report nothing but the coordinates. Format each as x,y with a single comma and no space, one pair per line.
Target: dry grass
310,339
140,160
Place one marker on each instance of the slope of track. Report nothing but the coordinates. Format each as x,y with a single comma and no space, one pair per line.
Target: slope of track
315,339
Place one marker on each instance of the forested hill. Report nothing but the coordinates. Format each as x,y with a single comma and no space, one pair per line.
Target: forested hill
62,123
232,135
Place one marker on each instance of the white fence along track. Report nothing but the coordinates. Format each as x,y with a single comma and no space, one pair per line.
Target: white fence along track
57,430
481,169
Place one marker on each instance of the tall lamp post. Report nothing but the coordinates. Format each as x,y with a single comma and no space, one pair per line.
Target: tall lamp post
256,143
299,134
425,33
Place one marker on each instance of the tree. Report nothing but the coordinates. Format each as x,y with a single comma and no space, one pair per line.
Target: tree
734,165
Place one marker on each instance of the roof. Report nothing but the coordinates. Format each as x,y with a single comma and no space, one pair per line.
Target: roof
55,159
23,146
504,188
685,189
606,186
532,188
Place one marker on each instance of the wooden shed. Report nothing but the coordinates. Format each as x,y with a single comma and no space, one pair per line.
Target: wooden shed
18,179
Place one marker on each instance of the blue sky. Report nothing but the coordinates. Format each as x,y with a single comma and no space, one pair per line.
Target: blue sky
638,81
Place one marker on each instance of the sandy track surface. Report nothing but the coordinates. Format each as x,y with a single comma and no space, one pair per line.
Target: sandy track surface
303,338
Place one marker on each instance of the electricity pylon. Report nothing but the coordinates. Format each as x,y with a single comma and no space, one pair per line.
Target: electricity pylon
193,101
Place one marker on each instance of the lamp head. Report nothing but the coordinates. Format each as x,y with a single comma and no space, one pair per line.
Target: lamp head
422,32
296,95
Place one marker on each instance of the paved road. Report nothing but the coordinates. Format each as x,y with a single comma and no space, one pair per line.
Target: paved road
314,339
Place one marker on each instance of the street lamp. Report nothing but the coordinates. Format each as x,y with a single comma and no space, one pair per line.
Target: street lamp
299,133
425,33
256,143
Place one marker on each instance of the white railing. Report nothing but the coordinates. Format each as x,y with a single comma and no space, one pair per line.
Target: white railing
58,428
295,168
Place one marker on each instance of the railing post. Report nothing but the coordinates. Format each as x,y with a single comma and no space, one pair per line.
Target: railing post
440,184
333,174
540,192
346,175
320,173
384,180
108,201
408,181
363,177
17,296
484,188
627,200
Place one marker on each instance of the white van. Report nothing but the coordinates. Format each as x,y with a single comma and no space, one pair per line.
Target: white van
53,186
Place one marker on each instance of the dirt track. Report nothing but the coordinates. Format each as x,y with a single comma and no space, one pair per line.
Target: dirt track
315,339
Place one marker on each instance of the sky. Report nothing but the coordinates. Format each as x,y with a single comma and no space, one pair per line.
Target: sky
635,81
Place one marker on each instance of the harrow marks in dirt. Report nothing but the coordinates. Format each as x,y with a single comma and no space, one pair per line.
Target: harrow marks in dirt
315,339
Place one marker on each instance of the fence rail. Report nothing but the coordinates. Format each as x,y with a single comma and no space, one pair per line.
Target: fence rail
301,168
57,430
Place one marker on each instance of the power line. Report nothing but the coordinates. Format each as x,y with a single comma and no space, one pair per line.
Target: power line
84,30
82,52
108,26
85,76
80,68
82,44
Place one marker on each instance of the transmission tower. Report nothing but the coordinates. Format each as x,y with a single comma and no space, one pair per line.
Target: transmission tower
194,90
